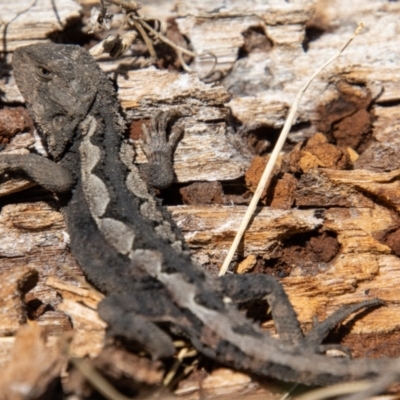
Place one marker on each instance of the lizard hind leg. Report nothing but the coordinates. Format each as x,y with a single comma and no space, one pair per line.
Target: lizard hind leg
247,288
244,288
135,327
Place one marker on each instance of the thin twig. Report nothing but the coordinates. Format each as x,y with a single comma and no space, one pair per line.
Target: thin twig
183,353
139,24
357,390
97,380
145,37
182,61
275,153
175,366
162,37
335,390
289,392
212,70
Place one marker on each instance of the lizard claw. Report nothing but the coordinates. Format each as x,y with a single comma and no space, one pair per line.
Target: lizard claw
321,329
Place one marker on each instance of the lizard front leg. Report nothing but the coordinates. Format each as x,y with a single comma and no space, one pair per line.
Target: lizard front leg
40,170
159,149
249,288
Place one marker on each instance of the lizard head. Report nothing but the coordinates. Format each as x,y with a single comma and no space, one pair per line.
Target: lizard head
59,84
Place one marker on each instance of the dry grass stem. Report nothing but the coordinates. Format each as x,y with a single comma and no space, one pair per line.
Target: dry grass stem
274,155
97,380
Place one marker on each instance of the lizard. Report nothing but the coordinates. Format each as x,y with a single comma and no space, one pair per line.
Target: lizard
128,245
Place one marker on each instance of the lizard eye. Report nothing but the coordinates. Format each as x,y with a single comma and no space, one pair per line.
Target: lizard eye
43,73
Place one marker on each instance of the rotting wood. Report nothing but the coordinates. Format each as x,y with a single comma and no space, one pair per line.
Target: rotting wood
360,208
265,80
12,307
80,304
26,22
33,365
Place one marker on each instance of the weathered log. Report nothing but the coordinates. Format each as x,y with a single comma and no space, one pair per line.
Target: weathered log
332,233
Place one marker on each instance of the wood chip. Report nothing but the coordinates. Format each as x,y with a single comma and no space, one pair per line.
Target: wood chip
33,366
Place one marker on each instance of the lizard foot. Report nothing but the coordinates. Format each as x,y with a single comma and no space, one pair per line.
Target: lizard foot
159,148
321,329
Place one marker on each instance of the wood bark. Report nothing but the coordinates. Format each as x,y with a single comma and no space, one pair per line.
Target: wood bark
332,232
